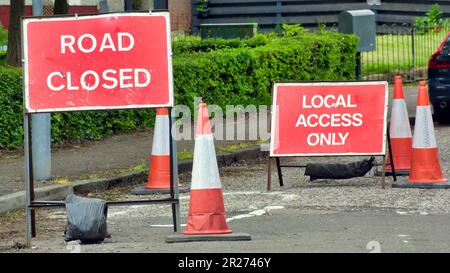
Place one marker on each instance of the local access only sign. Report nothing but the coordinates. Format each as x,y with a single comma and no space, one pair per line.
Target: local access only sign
111,61
329,118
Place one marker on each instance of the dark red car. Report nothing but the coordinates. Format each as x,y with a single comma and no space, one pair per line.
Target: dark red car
439,81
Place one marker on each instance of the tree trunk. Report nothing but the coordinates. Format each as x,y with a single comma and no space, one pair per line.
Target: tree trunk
60,7
14,54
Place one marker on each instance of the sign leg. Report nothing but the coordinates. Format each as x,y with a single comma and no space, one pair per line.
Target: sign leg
394,175
383,174
29,225
280,174
269,174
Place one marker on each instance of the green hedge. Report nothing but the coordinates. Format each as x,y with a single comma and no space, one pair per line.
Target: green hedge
221,72
245,75
191,44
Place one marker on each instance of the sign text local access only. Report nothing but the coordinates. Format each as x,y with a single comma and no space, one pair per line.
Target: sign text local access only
112,61
340,118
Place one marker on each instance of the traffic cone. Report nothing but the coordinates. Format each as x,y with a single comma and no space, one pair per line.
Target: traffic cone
159,173
400,132
206,219
426,169
206,208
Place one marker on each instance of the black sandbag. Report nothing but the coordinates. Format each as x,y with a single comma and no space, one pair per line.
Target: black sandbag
339,171
86,219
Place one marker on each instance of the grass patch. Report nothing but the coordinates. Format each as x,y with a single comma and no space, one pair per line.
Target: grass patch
394,52
233,148
185,155
62,181
139,168
113,194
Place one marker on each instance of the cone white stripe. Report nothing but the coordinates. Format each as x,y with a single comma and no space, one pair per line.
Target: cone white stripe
399,127
161,136
205,172
424,129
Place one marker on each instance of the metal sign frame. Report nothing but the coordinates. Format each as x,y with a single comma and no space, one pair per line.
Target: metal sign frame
31,204
324,83
386,136
27,20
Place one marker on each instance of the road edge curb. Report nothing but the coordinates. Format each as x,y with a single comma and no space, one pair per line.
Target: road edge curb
16,200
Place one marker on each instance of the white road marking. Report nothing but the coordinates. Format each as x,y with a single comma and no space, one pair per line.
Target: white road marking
254,213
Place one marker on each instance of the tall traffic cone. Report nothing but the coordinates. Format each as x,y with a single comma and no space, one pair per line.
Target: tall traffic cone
400,132
206,219
426,169
159,173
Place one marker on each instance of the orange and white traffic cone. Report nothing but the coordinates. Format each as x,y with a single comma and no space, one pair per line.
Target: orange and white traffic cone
400,132
206,208
206,220
426,169
159,173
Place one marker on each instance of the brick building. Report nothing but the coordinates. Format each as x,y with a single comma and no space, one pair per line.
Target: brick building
180,10
180,15
76,6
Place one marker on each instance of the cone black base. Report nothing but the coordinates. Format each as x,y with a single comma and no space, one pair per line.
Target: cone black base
181,238
406,184
390,173
145,191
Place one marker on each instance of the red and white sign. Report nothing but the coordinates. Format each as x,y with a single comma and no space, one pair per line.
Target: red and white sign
329,118
111,61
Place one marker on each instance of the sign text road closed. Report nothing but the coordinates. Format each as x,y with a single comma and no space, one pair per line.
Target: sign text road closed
113,61
344,118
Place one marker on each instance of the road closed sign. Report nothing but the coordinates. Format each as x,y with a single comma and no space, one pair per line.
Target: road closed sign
329,118
111,61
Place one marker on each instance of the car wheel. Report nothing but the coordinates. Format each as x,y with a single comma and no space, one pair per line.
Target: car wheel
442,116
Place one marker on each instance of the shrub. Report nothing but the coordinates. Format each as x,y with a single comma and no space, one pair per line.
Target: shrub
223,72
434,20
191,44
245,75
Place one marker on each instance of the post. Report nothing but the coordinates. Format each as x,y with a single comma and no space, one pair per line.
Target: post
358,70
40,131
174,189
413,60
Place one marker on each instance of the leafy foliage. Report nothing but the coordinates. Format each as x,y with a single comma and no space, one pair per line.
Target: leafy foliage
3,36
292,30
222,72
191,44
434,20
244,75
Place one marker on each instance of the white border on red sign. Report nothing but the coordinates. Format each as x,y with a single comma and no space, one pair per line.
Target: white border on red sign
273,115
25,22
